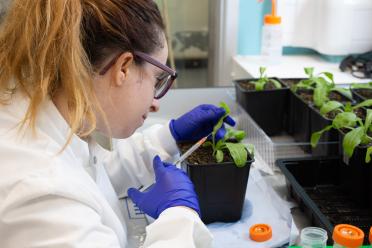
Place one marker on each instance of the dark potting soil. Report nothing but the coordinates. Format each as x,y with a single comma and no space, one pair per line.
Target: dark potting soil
366,93
335,96
249,85
203,155
307,96
359,112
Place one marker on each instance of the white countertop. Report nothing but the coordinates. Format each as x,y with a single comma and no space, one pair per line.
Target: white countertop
291,66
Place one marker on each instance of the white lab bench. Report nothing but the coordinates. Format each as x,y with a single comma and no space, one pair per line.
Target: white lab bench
291,66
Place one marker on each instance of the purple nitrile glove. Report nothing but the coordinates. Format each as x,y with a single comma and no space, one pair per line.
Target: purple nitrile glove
172,188
198,123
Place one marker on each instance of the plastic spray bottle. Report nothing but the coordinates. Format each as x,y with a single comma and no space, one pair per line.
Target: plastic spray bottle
271,42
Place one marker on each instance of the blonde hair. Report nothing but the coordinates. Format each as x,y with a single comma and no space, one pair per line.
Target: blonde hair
40,49
50,45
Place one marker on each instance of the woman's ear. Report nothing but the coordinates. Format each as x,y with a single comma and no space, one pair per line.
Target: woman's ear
121,68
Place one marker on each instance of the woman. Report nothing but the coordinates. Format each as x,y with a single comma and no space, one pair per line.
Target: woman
69,67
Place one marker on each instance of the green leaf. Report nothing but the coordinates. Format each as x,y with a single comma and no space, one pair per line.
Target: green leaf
328,75
368,154
219,156
305,84
239,135
361,85
330,106
309,71
238,153
260,85
345,119
262,71
343,91
366,103
219,144
368,121
316,135
250,149
348,107
225,107
276,83
352,139
207,143
320,94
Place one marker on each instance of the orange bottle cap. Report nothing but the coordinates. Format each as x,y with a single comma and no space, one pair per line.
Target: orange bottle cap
271,19
260,232
370,236
348,235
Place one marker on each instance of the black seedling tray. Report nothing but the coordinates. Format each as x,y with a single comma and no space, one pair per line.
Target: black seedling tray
268,108
298,121
320,185
357,96
221,189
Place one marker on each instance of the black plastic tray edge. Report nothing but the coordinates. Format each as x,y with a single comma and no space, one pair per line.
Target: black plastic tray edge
298,189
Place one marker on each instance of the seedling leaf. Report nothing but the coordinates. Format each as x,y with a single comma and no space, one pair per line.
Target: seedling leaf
330,106
352,139
276,83
368,154
238,153
219,156
316,135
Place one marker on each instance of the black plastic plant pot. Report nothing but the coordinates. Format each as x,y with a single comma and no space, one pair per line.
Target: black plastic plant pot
320,185
268,108
298,121
221,189
360,183
361,95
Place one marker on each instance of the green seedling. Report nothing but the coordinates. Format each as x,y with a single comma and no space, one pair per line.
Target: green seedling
321,84
345,118
359,136
238,151
263,80
367,86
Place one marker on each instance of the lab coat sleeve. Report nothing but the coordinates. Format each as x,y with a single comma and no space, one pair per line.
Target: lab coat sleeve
178,227
130,164
35,216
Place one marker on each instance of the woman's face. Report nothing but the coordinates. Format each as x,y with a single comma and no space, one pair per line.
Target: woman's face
126,93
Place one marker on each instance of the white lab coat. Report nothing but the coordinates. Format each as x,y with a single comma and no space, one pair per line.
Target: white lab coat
64,199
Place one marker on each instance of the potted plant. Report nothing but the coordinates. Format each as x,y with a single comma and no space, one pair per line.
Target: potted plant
265,100
362,91
220,171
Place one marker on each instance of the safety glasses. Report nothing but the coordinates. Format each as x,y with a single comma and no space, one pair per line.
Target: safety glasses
164,81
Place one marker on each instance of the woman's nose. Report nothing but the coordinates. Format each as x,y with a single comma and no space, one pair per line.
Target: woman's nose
154,106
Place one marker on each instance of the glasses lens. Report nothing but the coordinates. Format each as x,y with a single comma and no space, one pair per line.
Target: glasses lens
162,85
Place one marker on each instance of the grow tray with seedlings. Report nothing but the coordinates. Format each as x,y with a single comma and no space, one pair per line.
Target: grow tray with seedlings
322,188
306,98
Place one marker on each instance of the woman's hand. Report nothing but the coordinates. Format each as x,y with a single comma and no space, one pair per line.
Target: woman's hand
172,188
198,123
